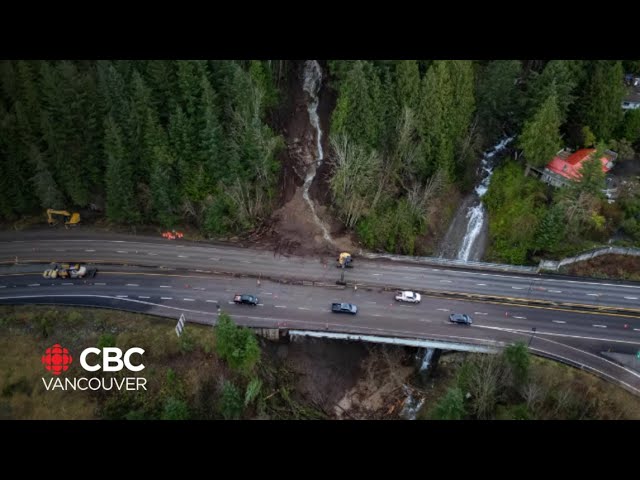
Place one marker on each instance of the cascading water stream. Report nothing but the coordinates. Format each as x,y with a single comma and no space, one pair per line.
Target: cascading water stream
311,85
476,213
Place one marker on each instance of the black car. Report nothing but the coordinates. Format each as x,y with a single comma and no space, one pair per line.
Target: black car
248,299
462,318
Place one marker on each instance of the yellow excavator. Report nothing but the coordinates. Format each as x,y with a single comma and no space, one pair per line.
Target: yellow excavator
71,219
344,260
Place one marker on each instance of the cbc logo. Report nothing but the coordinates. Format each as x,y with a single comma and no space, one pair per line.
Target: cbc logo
112,359
57,359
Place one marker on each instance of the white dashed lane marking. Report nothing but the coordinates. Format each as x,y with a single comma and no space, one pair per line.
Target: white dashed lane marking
165,286
166,298
593,294
89,250
521,318
182,256
67,284
600,326
445,281
132,285
443,309
99,283
558,321
481,284
280,306
122,296
152,254
189,299
140,296
34,284
631,298
215,259
303,308
555,291
480,313
212,301
121,251
517,288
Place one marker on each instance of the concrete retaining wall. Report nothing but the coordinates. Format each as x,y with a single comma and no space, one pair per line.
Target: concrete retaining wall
550,265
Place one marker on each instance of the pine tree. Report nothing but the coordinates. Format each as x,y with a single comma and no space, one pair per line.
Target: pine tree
591,174
162,78
557,77
8,81
210,137
498,96
631,126
44,183
121,205
540,138
600,106
163,187
355,113
70,119
408,83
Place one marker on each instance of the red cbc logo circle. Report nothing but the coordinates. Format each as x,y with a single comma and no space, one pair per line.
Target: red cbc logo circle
56,359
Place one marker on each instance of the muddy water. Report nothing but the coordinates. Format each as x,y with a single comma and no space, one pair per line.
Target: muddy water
312,78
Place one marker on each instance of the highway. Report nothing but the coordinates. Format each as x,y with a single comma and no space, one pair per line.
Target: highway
167,278
579,337
151,251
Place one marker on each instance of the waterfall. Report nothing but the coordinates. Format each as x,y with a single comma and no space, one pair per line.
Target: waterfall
311,85
476,213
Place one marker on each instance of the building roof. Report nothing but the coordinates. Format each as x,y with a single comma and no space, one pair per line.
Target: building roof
570,166
633,95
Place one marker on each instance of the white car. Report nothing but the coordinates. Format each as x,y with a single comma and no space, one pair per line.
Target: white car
407,296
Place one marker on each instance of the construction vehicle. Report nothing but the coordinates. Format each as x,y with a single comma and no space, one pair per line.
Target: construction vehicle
344,260
69,271
71,219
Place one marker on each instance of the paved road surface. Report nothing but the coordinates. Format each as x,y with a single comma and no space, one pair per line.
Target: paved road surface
566,335
215,258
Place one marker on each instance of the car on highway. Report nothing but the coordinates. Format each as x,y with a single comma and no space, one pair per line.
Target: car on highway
462,318
246,299
408,296
344,308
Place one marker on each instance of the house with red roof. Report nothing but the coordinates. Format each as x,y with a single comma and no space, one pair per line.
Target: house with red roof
565,166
